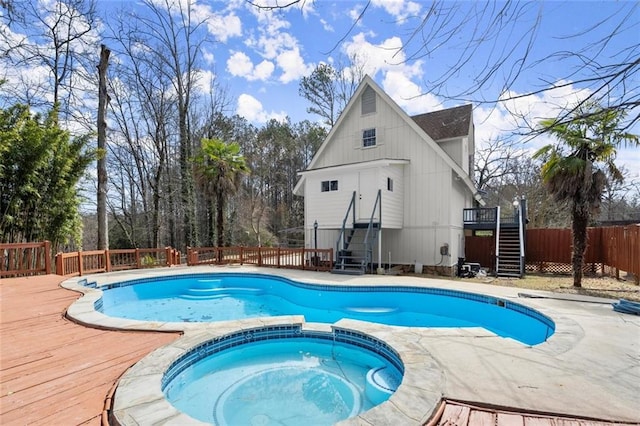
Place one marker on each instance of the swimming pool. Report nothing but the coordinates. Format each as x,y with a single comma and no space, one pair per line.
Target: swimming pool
231,296
283,375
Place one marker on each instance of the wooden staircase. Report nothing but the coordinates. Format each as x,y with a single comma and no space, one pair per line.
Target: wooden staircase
509,259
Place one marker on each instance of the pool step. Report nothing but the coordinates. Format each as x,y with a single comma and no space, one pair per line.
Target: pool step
198,293
372,309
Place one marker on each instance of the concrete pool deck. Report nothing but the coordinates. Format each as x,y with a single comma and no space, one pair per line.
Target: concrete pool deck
590,367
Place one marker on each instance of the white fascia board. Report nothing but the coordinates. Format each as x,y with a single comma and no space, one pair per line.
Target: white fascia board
383,162
330,170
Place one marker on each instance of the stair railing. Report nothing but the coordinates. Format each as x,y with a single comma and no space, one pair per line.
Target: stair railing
521,223
340,243
368,242
497,239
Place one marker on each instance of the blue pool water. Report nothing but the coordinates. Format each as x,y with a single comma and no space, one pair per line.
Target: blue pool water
219,297
283,381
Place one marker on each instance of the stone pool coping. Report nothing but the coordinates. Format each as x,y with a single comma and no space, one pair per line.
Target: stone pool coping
469,363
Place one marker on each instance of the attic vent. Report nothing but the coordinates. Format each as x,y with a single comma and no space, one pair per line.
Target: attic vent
368,100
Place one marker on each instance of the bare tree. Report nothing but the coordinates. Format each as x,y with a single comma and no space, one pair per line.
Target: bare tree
172,43
59,37
103,100
494,162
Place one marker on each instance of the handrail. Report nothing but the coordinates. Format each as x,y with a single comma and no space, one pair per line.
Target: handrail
352,206
377,204
521,223
497,238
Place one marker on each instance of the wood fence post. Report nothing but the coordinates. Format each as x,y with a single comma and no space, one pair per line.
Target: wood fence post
241,255
138,263
167,256
59,264
303,258
107,260
80,266
47,257
278,262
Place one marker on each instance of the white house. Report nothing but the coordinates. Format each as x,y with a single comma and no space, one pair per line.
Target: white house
386,188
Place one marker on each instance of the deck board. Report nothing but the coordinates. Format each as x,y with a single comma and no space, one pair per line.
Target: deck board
460,413
53,371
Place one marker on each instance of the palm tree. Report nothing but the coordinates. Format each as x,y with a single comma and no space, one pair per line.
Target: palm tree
574,168
219,167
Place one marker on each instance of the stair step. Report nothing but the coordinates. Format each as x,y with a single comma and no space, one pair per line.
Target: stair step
365,225
503,274
348,271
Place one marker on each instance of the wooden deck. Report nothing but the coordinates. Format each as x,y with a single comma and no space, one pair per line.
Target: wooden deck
460,413
53,371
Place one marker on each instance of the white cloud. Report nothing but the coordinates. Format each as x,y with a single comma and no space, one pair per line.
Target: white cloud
204,81
271,45
399,9
548,104
518,113
292,65
240,65
326,26
252,109
224,27
208,57
376,57
275,43
409,95
398,77
263,70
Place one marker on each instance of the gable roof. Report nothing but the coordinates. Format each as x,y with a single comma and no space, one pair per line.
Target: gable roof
367,81
447,123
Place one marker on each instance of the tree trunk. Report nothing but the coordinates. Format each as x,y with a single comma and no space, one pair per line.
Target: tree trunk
220,216
103,100
579,231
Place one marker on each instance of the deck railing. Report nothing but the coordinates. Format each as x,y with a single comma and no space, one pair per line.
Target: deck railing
489,215
25,259
275,257
91,262
479,215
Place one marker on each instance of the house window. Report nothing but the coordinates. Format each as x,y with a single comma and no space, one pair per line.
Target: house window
369,137
368,101
329,185
389,184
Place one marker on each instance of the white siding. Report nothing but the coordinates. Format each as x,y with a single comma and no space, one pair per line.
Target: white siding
456,150
328,208
392,201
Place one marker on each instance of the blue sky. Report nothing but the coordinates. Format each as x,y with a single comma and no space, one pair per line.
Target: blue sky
260,56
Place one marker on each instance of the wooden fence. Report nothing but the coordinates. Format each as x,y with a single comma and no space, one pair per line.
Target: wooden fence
609,250
275,257
91,262
35,258
25,259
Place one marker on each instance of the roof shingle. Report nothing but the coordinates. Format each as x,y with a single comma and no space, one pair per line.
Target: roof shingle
447,123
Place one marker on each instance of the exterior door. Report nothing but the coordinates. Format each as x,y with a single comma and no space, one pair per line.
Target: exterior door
367,193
